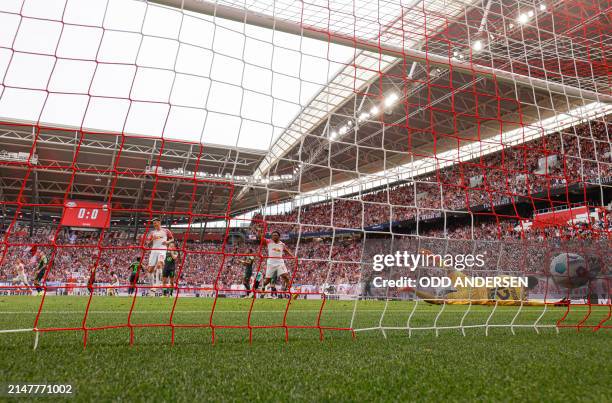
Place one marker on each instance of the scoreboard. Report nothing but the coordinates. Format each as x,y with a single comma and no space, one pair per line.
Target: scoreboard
80,213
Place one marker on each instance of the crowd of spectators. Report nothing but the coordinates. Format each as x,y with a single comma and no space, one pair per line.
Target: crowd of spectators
581,156
506,245
528,170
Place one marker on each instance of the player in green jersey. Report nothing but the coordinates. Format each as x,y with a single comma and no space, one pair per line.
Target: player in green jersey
41,268
134,268
248,262
169,270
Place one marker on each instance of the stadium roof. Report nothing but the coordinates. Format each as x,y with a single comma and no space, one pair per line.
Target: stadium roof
357,126
187,77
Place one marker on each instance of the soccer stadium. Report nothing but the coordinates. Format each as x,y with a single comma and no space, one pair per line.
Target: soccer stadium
275,200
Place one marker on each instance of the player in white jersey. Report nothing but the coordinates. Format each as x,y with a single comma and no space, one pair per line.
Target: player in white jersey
276,264
158,240
114,282
22,277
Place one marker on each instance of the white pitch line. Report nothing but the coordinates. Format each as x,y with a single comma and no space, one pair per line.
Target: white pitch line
15,330
420,310
178,311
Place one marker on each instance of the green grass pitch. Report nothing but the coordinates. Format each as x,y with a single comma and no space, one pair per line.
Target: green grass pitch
526,366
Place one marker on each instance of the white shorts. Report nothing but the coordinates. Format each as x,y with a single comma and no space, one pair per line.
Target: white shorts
21,278
156,256
277,269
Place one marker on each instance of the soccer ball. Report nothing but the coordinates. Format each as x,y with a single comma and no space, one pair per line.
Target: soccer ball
569,270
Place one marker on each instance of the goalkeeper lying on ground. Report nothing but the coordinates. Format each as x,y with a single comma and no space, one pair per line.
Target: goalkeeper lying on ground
508,296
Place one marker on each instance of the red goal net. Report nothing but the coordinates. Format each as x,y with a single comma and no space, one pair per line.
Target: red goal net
353,129
175,198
